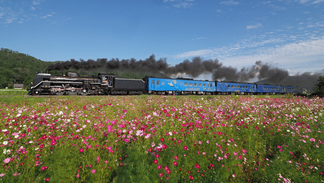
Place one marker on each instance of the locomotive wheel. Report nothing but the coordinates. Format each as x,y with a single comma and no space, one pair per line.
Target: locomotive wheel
71,93
84,92
60,93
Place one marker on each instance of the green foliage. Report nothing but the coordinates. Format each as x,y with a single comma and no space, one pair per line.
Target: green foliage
319,88
19,68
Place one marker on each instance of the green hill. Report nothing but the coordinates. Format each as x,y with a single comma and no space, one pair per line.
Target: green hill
18,67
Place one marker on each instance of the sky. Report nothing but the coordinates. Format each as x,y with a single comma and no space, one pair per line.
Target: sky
288,34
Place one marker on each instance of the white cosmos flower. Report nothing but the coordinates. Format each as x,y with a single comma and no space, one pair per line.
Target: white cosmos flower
5,142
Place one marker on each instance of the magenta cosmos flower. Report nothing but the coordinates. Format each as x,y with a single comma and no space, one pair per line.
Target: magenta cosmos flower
93,171
185,147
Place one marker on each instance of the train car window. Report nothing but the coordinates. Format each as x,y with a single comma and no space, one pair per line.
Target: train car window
204,84
163,83
152,82
228,86
186,84
190,84
157,82
195,84
199,84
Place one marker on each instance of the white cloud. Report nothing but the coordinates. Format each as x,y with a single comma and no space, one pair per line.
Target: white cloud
318,1
37,2
183,5
48,15
253,26
229,2
302,55
311,1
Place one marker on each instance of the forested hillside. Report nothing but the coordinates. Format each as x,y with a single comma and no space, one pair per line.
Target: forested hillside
18,67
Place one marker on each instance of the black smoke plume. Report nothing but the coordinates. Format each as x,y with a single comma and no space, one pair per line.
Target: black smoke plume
194,68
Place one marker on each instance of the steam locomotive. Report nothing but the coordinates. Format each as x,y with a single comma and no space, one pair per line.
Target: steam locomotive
108,84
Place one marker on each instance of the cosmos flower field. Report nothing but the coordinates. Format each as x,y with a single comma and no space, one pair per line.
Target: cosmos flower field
162,139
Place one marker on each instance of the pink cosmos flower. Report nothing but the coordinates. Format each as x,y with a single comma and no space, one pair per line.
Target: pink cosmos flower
157,156
155,161
160,174
244,151
98,158
185,147
93,171
77,175
312,140
7,160
81,150
175,163
235,154
176,157
278,146
197,166
159,167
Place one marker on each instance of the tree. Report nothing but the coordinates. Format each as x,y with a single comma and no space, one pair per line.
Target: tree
319,88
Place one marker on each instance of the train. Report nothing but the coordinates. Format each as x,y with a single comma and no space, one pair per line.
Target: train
108,84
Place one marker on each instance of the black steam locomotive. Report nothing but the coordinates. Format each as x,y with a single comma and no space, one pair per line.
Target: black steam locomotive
72,84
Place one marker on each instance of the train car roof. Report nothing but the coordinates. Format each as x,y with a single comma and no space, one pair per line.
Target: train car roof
189,79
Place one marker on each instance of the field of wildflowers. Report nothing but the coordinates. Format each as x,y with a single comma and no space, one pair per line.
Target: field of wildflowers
162,139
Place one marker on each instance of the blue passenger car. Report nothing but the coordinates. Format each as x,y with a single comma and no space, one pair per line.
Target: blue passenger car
235,88
292,89
178,86
270,89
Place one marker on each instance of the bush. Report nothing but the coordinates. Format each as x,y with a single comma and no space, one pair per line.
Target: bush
319,88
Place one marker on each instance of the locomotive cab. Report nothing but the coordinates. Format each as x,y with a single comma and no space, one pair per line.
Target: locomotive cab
107,79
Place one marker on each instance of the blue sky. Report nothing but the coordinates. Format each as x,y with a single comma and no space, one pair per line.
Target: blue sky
288,34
